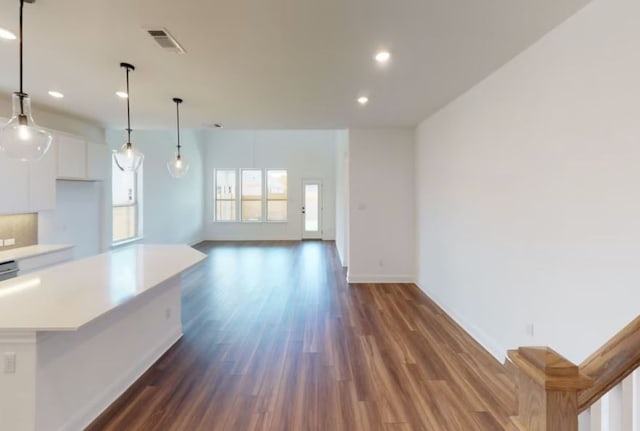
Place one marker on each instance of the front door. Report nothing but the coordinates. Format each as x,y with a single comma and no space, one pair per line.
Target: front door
311,209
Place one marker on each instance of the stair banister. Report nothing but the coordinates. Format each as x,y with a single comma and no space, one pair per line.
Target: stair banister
552,391
548,386
611,364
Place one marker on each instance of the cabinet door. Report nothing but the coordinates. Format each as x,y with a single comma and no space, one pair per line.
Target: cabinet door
42,181
72,157
14,186
98,161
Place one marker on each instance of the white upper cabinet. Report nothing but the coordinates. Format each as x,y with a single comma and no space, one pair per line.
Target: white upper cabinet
27,187
81,160
72,157
14,186
42,181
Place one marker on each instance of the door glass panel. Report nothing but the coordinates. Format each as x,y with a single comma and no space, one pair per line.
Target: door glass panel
311,207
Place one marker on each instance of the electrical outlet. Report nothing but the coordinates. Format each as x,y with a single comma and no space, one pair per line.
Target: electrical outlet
9,362
10,241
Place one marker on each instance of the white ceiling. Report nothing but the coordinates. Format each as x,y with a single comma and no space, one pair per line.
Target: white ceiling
268,63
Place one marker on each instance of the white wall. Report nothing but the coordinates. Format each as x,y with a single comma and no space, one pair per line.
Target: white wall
342,196
381,205
172,208
529,191
304,153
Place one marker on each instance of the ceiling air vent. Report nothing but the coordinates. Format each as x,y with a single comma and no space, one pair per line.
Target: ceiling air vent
165,40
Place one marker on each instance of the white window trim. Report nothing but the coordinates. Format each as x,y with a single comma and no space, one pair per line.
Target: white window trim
262,198
266,196
126,241
238,199
139,222
215,195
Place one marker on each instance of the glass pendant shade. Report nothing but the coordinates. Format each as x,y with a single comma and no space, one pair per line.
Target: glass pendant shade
128,158
21,138
178,166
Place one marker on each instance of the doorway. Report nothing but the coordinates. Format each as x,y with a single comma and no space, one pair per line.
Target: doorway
311,209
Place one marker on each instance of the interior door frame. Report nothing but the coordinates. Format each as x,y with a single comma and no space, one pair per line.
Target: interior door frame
306,234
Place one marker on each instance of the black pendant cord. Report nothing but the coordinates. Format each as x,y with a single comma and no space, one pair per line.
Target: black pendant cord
128,110
178,102
128,67
21,94
178,121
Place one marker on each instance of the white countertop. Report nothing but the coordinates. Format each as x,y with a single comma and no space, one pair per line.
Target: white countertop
31,251
68,296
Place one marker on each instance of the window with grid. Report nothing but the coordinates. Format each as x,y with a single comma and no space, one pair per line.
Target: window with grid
251,198
125,204
276,195
225,187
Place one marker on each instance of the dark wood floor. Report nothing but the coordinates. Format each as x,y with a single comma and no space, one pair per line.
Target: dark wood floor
274,339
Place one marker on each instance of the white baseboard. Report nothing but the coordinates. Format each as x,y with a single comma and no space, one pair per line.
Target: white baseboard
380,278
89,412
488,343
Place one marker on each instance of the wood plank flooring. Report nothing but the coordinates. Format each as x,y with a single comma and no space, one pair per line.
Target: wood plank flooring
274,339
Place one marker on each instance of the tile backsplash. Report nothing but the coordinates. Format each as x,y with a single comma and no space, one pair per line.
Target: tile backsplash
21,227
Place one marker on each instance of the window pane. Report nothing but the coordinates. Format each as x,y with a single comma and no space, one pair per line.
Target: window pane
276,184
251,195
277,210
251,184
225,184
124,223
251,210
123,186
226,210
125,206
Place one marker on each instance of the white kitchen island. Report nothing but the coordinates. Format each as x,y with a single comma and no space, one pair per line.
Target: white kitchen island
82,332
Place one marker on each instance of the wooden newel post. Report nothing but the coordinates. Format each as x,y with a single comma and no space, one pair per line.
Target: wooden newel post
548,386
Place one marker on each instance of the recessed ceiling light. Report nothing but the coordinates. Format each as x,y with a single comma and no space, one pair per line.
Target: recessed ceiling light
56,94
122,94
6,34
383,57
363,100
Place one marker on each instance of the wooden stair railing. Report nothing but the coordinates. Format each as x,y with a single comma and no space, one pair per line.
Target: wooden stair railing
552,391
611,364
548,387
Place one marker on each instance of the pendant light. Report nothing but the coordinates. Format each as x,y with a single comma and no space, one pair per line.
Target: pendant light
21,138
178,166
127,157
